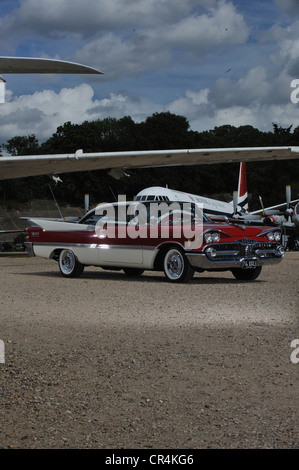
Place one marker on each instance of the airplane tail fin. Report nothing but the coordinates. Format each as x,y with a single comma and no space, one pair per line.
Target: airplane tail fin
242,190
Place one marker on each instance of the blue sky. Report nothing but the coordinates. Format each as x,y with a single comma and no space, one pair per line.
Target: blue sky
214,61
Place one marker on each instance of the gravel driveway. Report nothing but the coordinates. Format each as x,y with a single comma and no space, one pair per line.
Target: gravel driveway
108,362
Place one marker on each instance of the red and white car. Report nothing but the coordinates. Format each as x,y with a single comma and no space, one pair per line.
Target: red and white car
118,239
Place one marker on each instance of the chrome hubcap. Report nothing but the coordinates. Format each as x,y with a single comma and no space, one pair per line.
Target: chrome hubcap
174,264
67,262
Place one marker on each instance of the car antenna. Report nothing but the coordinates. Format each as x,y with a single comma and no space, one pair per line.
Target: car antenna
113,193
56,202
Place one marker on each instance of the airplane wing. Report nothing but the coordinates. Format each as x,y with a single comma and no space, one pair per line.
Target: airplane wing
282,207
118,162
11,231
38,65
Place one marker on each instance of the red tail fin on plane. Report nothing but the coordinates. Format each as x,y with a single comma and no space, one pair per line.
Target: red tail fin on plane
242,189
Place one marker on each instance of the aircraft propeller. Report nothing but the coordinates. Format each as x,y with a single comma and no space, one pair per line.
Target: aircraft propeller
235,202
289,210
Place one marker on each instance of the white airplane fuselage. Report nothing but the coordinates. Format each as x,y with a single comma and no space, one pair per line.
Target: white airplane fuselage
211,207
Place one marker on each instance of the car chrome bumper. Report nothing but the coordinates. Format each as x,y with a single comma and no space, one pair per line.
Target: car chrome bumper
233,258
29,247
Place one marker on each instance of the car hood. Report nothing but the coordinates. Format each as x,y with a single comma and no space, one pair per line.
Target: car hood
240,230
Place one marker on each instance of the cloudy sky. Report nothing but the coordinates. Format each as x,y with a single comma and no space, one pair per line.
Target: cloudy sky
214,61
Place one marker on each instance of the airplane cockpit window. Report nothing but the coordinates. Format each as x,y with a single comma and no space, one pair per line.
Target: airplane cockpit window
152,198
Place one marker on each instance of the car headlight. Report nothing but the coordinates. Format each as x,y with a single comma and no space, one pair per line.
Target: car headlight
215,236
270,236
211,252
274,236
212,237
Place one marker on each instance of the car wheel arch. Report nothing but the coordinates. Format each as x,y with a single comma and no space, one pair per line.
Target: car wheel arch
68,264
162,250
56,253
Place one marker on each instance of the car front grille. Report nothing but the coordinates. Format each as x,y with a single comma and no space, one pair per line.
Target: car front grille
245,249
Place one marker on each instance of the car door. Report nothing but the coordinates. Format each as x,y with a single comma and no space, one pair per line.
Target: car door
116,247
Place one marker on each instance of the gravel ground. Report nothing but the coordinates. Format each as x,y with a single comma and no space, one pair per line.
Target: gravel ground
108,362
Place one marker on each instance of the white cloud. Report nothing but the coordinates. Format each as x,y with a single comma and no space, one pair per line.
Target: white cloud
255,99
288,6
253,86
207,116
120,58
160,46
285,57
222,26
42,112
189,39
86,17
127,40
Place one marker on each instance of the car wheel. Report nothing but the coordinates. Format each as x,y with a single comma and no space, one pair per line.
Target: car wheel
176,266
247,274
133,272
69,265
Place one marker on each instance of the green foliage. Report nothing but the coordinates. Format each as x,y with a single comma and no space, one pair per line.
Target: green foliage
22,145
159,131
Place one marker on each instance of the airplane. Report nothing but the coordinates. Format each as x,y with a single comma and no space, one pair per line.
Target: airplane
211,207
35,65
238,207
119,162
286,214
22,166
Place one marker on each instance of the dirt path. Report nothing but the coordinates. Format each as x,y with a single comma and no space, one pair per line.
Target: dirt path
107,362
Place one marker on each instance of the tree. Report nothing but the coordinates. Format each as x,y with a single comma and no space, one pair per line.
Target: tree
104,135
165,131
22,145
159,131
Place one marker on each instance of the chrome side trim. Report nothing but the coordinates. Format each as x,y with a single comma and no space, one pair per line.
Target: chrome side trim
216,230
103,246
272,229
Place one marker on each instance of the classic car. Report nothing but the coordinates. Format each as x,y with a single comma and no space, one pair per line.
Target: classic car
134,237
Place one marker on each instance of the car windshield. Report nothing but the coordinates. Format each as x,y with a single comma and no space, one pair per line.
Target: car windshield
108,213
146,213
89,219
